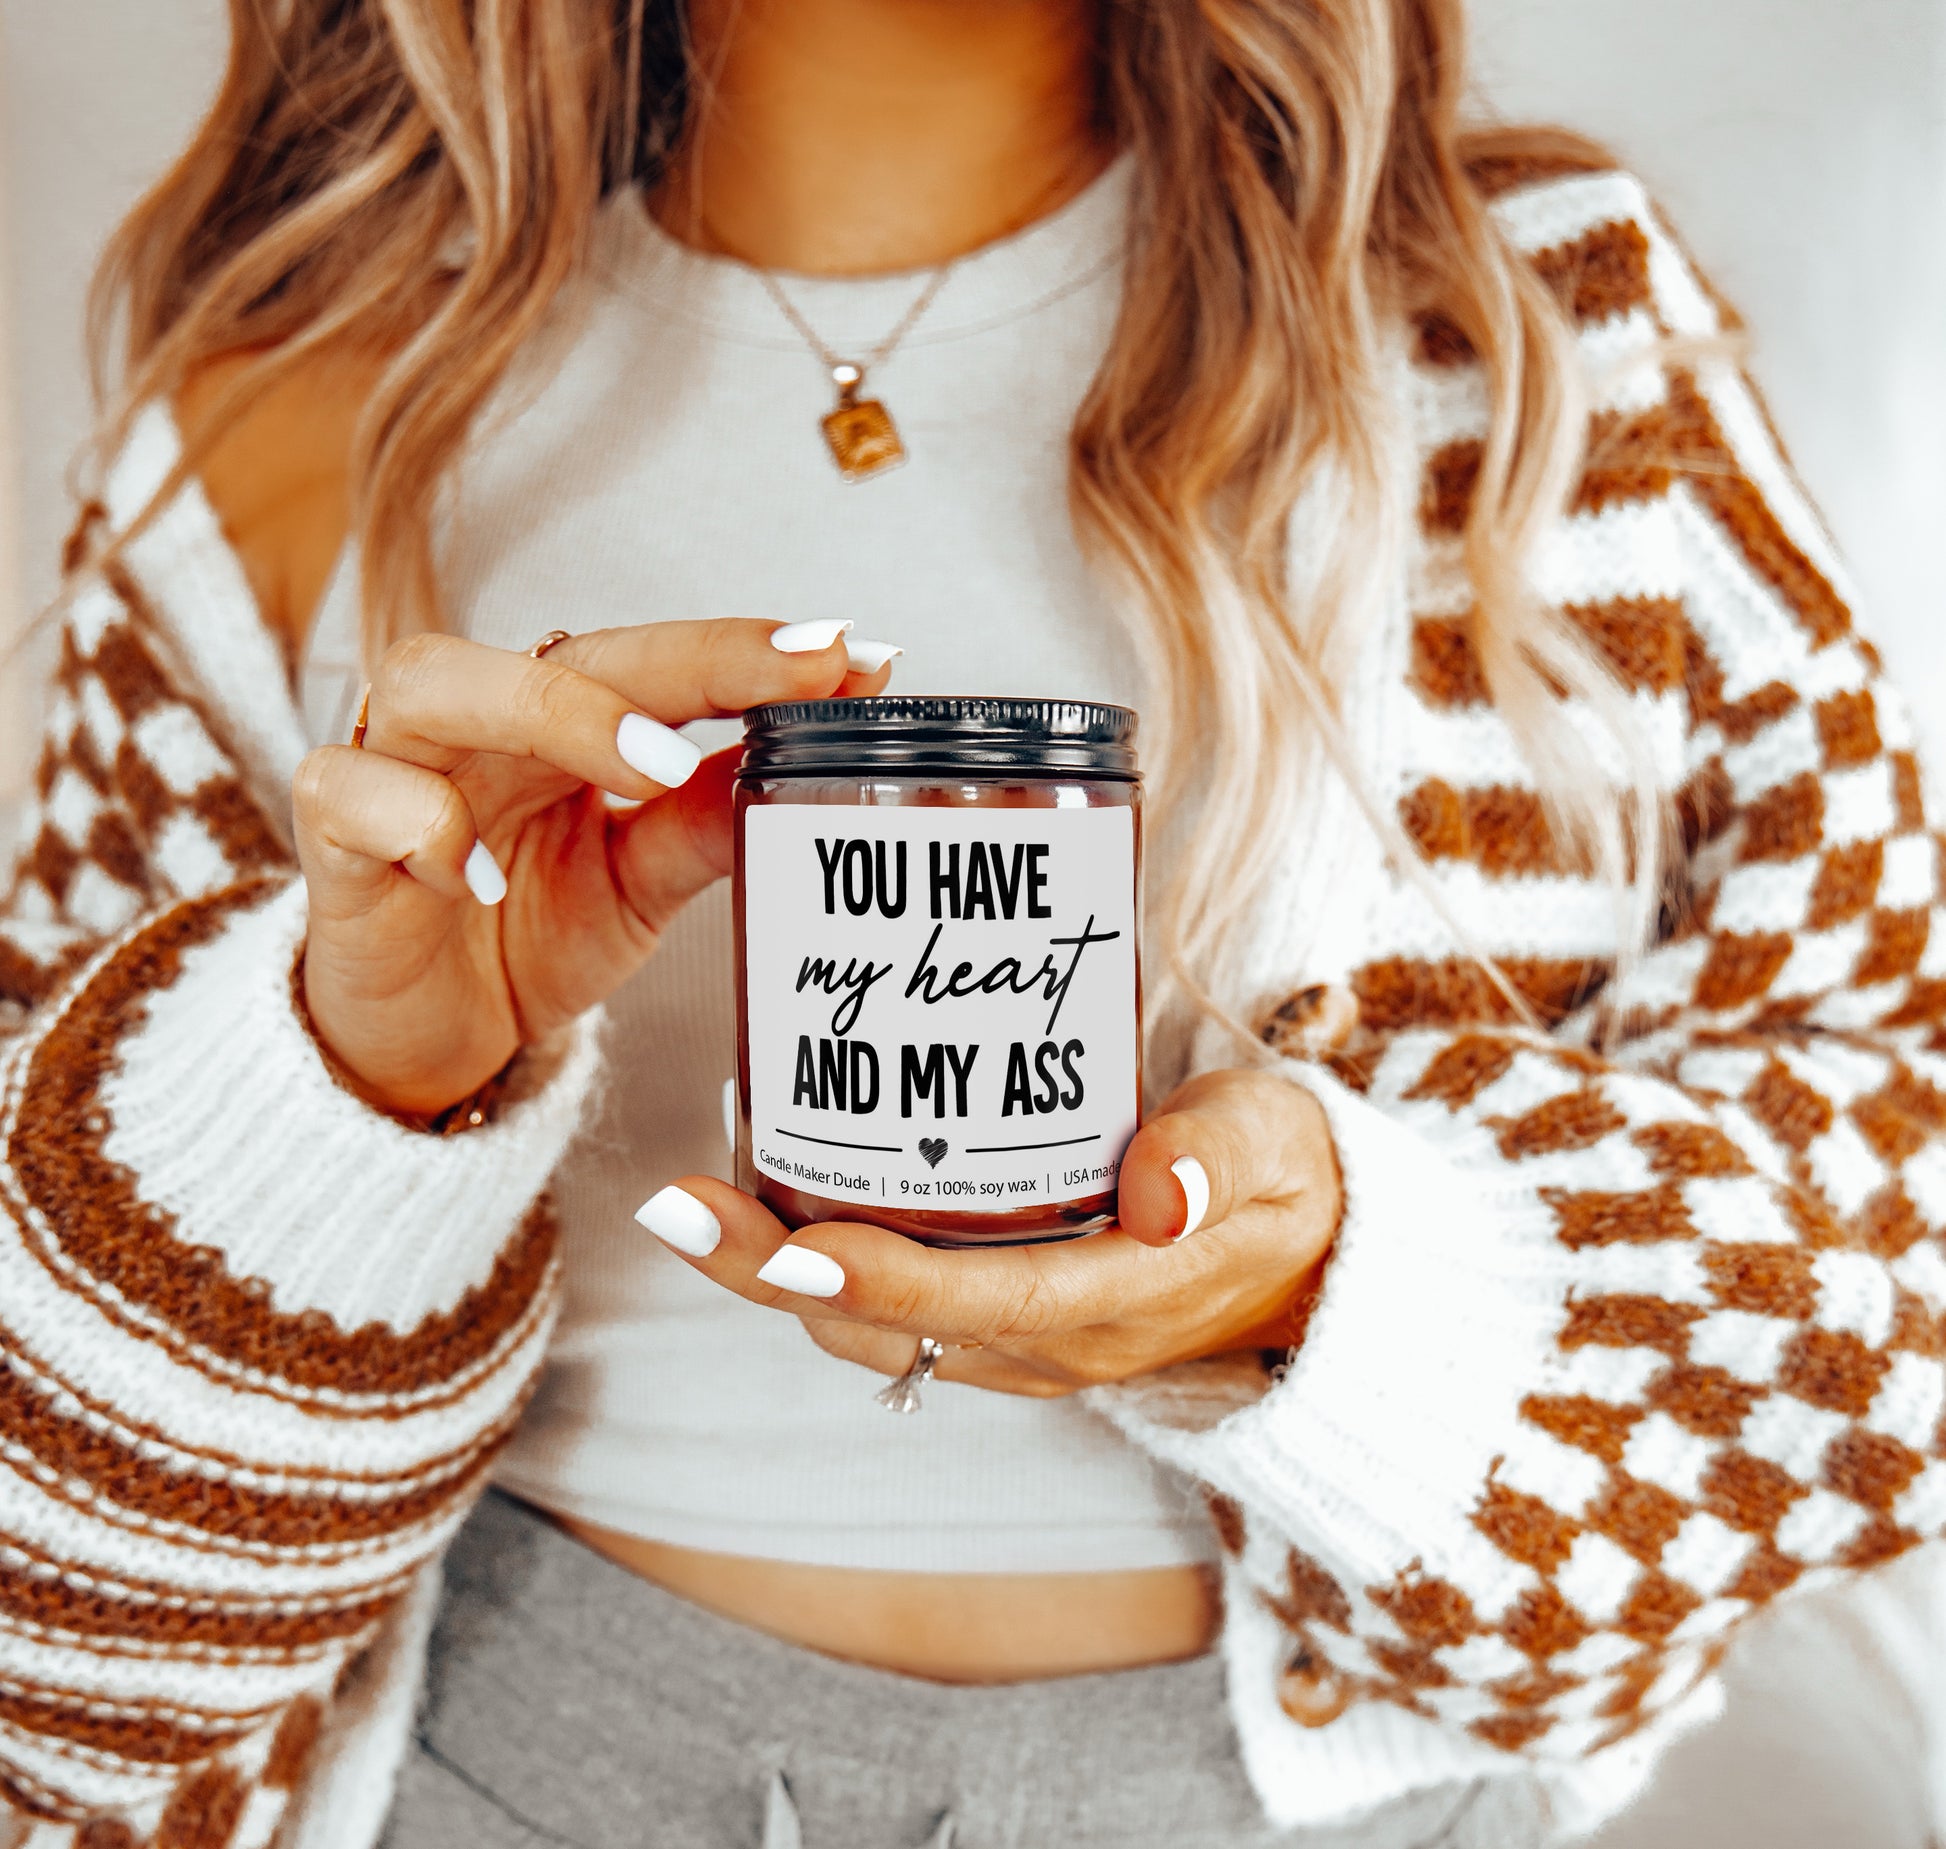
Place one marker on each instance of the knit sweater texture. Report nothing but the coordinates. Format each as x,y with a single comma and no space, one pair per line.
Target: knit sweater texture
1633,1325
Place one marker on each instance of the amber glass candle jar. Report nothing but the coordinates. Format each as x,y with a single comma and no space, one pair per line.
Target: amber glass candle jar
939,1015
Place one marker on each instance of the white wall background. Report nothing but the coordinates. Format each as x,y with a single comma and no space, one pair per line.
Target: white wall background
1800,143
95,96
1801,147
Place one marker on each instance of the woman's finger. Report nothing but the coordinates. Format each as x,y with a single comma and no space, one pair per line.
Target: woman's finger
1223,1140
602,708
884,1351
667,851
997,1295
682,671
438,700
361,817
740,1243
888,1353
859,685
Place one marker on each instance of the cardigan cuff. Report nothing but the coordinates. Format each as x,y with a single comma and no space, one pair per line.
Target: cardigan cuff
224,1111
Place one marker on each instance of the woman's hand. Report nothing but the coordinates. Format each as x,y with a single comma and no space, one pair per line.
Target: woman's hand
469,888
1168,1284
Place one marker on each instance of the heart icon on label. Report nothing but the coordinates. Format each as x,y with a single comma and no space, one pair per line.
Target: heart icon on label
933,1148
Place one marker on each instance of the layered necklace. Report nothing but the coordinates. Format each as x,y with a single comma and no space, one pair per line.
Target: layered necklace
858,431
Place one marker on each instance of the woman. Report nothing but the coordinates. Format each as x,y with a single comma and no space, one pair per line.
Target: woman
1576,1301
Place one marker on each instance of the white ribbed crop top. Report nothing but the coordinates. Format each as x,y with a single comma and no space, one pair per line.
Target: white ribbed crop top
669,464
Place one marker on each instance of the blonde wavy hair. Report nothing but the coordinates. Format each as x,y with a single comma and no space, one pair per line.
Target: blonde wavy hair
419,179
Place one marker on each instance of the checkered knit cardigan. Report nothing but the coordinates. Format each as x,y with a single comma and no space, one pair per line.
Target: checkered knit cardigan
1616,1346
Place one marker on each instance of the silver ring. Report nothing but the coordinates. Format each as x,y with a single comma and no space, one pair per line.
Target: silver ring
902,1395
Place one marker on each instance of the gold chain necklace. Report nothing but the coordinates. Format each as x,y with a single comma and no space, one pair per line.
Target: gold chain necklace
859,431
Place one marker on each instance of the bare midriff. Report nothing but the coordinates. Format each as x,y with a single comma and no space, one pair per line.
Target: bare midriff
944,1627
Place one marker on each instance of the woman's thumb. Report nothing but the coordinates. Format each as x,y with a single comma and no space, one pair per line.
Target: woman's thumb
1178,1174
1226,1139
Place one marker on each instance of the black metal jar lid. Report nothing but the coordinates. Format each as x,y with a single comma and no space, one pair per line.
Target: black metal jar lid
907,733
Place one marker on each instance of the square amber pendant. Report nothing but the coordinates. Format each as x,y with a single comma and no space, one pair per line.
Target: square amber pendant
864,441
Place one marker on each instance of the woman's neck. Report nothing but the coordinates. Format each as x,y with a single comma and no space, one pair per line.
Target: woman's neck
846,137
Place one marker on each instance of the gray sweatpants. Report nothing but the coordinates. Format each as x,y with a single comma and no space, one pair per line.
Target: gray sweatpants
570,1702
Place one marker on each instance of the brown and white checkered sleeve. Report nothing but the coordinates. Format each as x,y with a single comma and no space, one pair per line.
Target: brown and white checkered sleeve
1619,1346
136,801
259,1344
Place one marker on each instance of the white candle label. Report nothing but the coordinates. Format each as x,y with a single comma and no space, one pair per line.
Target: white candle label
941,1002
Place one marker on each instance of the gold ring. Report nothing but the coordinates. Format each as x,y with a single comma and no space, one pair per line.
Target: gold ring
364,719
547,641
